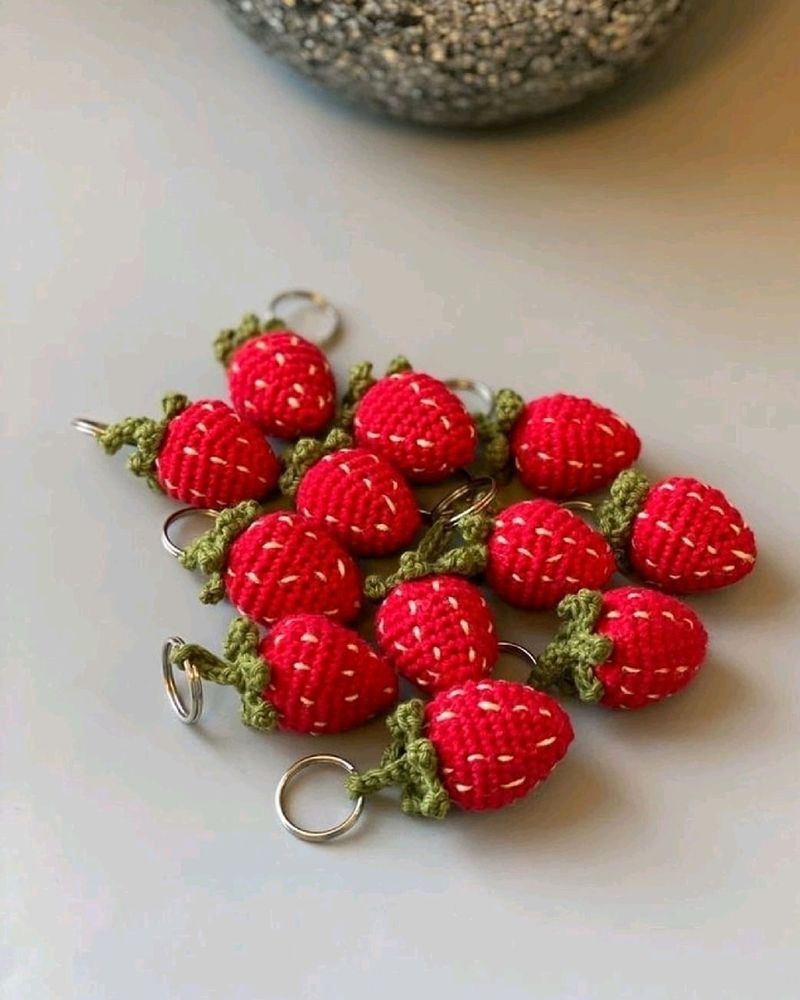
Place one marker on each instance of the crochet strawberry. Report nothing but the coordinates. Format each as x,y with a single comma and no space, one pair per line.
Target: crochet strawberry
679,534
437,632
627,648
272,565
360,499
309,675
202,453
479,745
417,424
563,445
539,552
277,379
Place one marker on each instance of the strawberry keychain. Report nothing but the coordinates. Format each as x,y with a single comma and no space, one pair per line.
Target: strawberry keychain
277,379
479,745
626,648
678,534
200,453
362,501
308,675
270,565
565,445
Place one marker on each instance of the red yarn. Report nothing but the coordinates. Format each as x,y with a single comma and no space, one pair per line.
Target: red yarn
210,457
437,631
539,552
688,537
362,502
563,445
659,645
283,384
418,425
323,677
495,740
282,565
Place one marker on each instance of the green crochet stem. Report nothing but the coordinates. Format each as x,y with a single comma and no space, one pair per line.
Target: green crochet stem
568,662
493,430
359,382
306,452
438,552
145,435
616,516
209,552
242,669
227,342
409,761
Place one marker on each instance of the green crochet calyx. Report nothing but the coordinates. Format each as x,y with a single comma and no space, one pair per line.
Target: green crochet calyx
306,452
409,761
227,342
242,669
568,662
209,552
615,516
493,430
145,435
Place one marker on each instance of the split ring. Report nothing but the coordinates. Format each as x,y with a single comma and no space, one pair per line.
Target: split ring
179,515
316,836
514,649
480,389
191,714
482,491
318,303
91,427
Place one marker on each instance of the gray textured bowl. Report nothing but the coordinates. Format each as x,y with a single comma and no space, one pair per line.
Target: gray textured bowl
461,62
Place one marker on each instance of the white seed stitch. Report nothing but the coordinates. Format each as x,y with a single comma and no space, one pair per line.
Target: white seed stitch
514,784
489,706
351,697
444,716
505,758
299,665
253,577
475,756
190,451
463,788
309,637
284,580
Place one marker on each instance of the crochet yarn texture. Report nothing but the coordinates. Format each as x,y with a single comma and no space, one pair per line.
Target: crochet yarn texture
538,552
437,632
565,445
627,648
202,454
679,534
479,745
308,675
277,379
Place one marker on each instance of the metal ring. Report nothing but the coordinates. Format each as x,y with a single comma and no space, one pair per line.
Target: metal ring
319,302
586,505
191,714
86,426
178,515
483,489
483,391
521,653
316,836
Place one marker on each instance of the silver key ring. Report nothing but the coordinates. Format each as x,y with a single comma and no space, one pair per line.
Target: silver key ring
317,302
514,649
482,490
191,714
91,427
483,391
584,505
179,515
316,836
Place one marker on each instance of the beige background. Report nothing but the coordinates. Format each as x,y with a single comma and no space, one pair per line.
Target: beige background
160,177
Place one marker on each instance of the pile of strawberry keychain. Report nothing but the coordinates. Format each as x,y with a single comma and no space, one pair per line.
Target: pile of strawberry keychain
348,469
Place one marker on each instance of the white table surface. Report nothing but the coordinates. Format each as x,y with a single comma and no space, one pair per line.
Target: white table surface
161,177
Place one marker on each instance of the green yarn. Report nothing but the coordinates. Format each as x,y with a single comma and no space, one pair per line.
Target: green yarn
399,365
243,669
493,430
568,662
209,552
227,342
616,515
145,435
409,761
306,452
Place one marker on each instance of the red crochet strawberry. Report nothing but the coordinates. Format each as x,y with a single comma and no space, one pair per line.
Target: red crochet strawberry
563,445
627,648
479,745
309,675
679,534
539,552
360,499
202,453
277,379
437,632
273,565
418,425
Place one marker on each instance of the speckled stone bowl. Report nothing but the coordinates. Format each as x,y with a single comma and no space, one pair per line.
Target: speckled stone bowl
461,62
